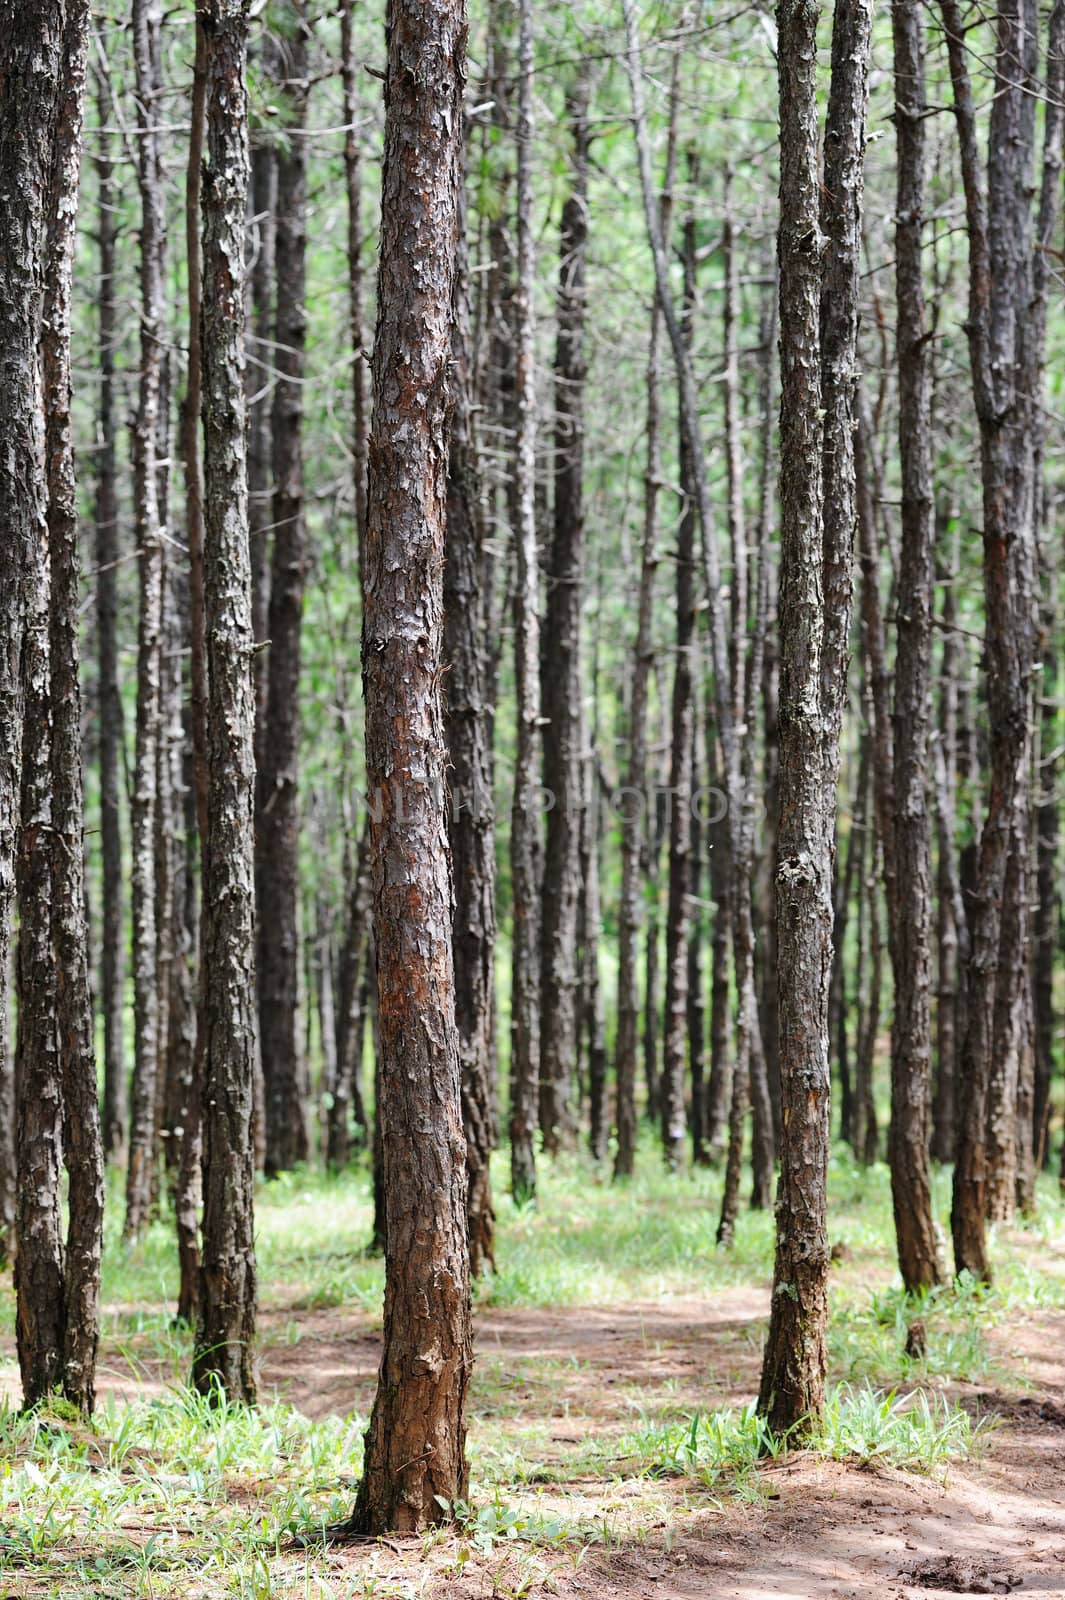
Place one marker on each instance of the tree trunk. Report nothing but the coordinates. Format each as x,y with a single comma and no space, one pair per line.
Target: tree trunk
998,215
469,744
911,941
147,1043
226,1329
83,1149
415,1462
353,181
30,68
675,1039
637,825
277,795
561,661
525,835
108,692
39,1285
814,624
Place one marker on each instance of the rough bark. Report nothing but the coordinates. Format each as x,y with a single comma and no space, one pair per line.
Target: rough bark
108,694
636,824
226,1328
525,831
998,216
82,1146
39,1282
185,1057
469,743
682,712
30,65
353,182
277,788
911,941
793,1371
560,674
148,518
415,1464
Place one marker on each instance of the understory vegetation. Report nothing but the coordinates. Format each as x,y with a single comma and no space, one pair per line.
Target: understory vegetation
171,1493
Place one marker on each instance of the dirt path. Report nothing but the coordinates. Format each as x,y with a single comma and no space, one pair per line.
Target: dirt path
995,1524
551,1384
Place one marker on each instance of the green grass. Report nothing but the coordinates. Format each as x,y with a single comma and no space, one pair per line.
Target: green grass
169,1496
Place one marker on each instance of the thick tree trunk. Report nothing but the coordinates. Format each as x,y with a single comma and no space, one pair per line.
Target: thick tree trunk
469,744
525,834
415,1462
30,69
82,1144
911,941
277,795
561,661
226,1329
814,625
146,993
952,932
109,698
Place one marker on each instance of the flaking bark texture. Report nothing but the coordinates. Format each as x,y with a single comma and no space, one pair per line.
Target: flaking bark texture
223,1354
83,1149
415,1463
31,54
793,1371
140,1187
561,660
999,221
911,925
525,831
109,698
469,745
277,798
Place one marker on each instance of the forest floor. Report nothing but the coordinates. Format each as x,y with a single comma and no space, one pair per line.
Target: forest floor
614,1452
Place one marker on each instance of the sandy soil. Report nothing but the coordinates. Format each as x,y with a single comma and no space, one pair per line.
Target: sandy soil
995,1524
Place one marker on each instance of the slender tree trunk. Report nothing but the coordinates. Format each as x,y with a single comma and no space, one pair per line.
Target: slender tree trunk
561,661
109,698
911,942
415,1463
39,1283
1046,813
951,928
260,394
146,996
696,997
353,181
226,1329
817,368
593,1020
525,836
1048,905
998,214
637,825
277,797
682,713
185,1066
351,1015
750,1079
469,744
83,1149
